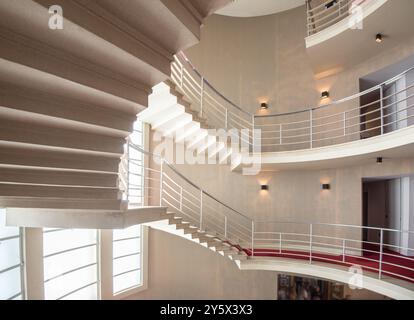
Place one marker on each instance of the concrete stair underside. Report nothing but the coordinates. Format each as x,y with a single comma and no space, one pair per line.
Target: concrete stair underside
69,98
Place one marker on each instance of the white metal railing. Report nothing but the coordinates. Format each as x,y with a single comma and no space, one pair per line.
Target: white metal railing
325,13
164,185
381,252
381,109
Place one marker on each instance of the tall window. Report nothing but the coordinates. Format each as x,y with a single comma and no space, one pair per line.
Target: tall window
127,273
71,264
11,264
136,167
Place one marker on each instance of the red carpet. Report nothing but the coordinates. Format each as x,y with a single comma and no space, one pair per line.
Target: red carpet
393,264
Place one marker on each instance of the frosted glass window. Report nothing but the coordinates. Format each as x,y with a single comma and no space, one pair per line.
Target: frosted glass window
11,264
127,262
70,264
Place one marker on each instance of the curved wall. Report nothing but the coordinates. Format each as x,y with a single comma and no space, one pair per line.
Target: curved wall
264,58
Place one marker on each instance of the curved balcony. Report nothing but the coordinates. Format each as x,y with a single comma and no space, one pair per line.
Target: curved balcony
364,122
328,18
384,257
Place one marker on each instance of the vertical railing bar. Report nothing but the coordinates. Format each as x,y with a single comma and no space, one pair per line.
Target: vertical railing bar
201,209
253,137
381,252
202,97
310,243
225,227
161,180
252,238
382,108
181,198
182,77
128,170
344,123
280,242
343,250
311,127
280,135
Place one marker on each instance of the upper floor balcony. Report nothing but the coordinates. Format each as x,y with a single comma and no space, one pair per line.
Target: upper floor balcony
371,122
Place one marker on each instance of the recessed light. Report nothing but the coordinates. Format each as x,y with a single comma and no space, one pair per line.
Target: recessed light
264,106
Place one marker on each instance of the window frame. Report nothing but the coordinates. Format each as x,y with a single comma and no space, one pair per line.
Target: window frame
144,268
21,266
97,245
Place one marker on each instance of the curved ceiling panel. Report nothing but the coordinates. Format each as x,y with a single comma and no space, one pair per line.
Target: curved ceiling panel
249,8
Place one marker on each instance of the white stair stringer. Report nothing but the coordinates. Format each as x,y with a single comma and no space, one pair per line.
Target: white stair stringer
171,115
176,225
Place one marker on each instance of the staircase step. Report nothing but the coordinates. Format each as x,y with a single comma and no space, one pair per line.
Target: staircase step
30,190
66,109
59,203
22,129
58,178
54,159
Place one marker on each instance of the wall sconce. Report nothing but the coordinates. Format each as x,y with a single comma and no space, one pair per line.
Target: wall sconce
379,160
264,106
326,186
378,38
325,95
264,187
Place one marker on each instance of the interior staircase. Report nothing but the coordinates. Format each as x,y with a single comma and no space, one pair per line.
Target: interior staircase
172,115
69,97
174,223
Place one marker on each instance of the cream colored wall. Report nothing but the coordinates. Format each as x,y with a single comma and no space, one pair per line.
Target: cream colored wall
265,57
296,195
181,269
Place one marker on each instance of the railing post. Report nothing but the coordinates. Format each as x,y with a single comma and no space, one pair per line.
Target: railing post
280,242
201,209
310,243
280,134
161,180
252,238
225,227
181,198
311,127
253,142
181,76
128,170
382,108
344,123
343,250
202,96
381,251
